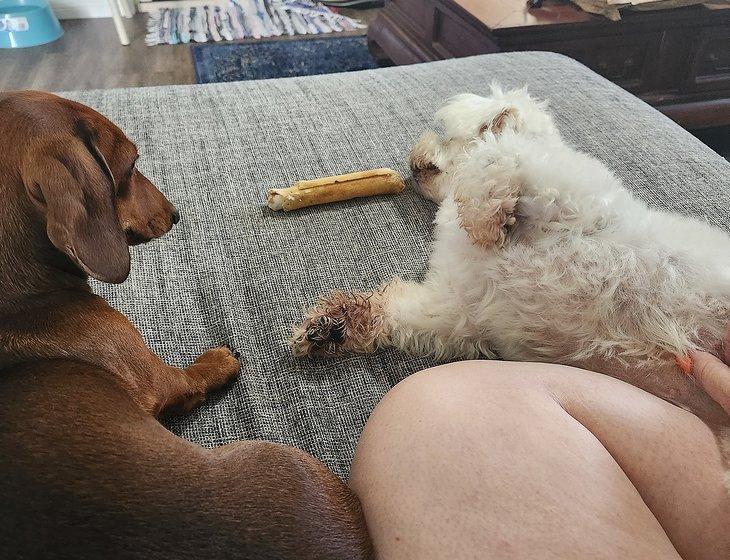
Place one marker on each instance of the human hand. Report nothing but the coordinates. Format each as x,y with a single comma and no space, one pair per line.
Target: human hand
713,374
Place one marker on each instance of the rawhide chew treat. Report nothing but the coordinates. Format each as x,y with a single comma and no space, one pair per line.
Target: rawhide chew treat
335,189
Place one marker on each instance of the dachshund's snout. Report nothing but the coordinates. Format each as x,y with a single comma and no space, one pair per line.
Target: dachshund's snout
175,215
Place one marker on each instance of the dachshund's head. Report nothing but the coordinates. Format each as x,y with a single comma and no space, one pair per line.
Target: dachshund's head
79,171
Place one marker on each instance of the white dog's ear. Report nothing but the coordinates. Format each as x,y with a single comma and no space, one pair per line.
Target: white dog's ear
488,214
507,117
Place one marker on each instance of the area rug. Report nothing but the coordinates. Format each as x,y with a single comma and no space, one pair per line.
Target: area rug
244,19
280,59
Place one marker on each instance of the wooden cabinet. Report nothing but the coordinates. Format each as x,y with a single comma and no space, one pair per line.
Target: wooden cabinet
677,60
629,61
709,68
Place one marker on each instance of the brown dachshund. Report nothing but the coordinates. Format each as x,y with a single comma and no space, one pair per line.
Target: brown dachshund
86,471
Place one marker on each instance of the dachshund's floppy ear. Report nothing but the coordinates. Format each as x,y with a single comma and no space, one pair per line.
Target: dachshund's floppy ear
69,180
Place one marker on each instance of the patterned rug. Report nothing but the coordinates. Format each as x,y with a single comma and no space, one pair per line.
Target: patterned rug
280,59
244,19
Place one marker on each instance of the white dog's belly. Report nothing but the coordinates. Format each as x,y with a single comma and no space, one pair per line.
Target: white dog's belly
617,317
706,244
587,297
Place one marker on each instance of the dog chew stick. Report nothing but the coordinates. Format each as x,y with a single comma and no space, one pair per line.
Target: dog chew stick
335,189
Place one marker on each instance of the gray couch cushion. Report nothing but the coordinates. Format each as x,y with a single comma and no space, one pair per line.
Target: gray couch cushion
233,272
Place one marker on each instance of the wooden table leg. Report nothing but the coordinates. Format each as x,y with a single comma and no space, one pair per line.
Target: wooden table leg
118,22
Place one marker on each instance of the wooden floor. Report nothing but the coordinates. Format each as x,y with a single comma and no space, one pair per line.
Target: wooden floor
89,56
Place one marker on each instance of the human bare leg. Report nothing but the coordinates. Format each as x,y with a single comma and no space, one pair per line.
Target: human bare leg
510,461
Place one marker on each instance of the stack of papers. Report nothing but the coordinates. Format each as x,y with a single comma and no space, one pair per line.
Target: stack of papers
611,8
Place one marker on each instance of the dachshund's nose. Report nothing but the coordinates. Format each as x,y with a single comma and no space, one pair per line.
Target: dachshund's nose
175,215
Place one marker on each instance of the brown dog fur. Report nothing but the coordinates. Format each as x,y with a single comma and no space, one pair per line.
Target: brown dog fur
86,471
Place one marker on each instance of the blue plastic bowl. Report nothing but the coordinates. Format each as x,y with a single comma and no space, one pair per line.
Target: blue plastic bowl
27,23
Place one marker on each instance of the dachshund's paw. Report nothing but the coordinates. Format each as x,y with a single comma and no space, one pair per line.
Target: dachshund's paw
341,322
216,367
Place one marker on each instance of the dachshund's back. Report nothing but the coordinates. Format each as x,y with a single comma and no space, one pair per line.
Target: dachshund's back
87,474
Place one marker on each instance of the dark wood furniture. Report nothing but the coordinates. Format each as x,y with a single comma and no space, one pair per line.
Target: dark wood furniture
676,60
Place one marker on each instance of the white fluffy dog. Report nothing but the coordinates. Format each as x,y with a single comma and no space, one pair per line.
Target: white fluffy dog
541,254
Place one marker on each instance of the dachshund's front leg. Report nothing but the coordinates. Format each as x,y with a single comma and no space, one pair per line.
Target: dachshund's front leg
159,388
187,387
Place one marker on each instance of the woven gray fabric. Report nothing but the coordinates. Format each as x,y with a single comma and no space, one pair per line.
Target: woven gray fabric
233,272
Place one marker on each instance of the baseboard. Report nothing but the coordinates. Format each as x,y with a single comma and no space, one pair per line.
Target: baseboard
80,9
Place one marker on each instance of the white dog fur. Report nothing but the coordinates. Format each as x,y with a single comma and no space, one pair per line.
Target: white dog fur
541,254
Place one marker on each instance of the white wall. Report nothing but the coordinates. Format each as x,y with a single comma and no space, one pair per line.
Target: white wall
74,9
80,9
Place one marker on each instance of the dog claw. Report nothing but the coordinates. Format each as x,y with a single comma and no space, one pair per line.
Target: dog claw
326,332
341,322
235,353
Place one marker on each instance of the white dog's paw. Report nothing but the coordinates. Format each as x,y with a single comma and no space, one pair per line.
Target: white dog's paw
488,219
342,322
487,196
427,161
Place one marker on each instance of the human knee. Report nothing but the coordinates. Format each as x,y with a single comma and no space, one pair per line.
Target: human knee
458,389
453,410
465,377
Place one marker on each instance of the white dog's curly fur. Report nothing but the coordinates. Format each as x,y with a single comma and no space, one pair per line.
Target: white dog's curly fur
541,254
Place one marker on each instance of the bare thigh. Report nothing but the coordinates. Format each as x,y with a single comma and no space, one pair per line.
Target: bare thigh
514,460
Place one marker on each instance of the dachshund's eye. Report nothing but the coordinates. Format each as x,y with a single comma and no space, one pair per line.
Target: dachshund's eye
126,180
